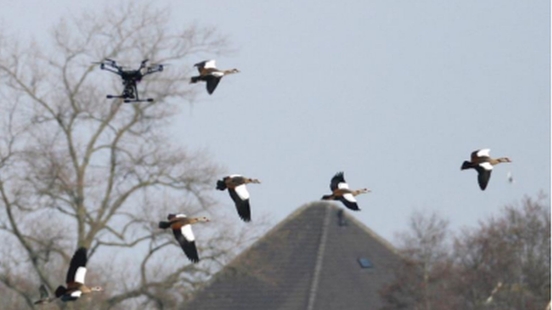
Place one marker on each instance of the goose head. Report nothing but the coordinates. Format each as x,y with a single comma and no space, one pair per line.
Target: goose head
362,191
232,71
202,219
504,160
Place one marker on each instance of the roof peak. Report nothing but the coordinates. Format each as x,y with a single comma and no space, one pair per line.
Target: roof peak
307,261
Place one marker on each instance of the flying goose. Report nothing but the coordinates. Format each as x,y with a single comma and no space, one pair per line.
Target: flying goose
209,73
44,296
182,230
75,279
235,184
483,164
340,191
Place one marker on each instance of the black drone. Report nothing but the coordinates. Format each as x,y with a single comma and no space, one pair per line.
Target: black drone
130,78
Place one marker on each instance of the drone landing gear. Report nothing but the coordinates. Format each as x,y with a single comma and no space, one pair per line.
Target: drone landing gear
138,100
126,99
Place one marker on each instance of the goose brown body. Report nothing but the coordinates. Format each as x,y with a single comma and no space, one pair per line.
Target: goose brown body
238,192
481,161
182,231
209,74
75,279
177,222
340,191
234,181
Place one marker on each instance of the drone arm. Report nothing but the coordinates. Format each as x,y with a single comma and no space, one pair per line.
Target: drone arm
118,71
151,70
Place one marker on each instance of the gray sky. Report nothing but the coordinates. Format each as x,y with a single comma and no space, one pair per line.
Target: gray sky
394,93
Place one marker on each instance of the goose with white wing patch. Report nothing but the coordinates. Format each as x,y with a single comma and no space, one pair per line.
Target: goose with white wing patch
209,73
482,162
75,279
238,192
182,230
340,191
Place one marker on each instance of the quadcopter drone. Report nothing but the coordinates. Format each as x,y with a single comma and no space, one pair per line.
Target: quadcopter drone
130,78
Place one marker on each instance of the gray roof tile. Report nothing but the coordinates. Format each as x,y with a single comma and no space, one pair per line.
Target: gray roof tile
308,261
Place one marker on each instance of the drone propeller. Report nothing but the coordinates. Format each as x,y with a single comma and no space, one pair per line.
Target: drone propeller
161,65
105,61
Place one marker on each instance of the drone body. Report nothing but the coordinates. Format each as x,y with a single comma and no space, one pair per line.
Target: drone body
130,78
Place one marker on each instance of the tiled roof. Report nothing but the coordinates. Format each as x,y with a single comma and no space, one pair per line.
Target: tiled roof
308,261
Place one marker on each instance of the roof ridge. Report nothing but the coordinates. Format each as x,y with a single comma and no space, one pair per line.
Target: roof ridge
375,235
265,236
319,260
306,261
300,210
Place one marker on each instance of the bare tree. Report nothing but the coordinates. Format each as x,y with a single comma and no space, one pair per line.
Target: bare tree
504,263
512,249
425,249
79,170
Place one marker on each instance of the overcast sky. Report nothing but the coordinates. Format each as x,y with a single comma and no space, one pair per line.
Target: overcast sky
394,93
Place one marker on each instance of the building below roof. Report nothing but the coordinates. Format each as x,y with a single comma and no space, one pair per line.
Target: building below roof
319,257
